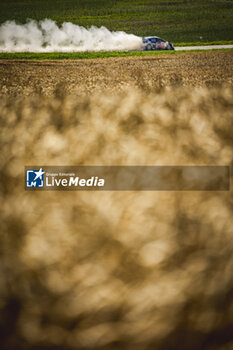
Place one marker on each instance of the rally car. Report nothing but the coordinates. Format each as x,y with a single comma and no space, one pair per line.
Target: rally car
156,43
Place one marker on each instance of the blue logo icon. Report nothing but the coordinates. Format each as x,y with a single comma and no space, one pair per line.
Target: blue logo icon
35,178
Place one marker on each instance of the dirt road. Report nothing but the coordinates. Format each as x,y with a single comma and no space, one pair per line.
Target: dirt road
206,47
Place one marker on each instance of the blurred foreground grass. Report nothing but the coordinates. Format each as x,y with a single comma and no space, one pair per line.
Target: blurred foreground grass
113,270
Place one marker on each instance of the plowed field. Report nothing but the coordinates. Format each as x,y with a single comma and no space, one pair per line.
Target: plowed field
88,76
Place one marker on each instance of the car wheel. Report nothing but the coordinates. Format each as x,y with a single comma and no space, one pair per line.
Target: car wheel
148,47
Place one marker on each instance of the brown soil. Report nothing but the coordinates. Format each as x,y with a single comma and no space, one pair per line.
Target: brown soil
88,76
